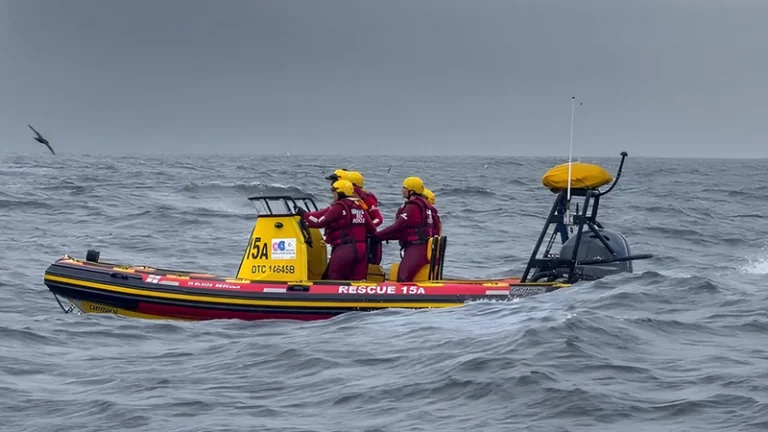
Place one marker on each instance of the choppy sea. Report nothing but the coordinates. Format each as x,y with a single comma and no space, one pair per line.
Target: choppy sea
679,345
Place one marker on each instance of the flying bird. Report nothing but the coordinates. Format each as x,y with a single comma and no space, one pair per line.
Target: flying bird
39,138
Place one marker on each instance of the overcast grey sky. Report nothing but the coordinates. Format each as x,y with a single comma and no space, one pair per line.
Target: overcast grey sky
657,78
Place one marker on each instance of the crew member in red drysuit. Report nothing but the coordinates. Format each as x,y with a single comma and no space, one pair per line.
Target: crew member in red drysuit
437,225
374,248
347,226
369,198
339,174
413,228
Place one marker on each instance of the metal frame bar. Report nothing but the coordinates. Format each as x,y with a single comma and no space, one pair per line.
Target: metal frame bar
285,199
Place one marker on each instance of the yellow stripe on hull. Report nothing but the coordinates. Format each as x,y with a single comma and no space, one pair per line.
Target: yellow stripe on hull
88,307
249,302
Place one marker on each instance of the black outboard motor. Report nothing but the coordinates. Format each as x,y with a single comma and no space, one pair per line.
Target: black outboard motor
592,249
593,252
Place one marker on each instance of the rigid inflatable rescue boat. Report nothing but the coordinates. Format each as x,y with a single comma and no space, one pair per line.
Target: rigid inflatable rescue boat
279,274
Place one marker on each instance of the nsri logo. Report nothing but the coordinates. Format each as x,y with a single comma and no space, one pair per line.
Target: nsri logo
153,278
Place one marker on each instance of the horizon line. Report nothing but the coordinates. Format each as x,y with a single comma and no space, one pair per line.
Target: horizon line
363,154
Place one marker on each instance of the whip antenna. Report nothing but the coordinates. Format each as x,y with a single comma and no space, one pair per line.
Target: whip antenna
570,149
570,159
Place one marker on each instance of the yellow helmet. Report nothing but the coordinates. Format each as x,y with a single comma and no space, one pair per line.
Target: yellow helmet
356,178
430,196
414,184
344,186
339,174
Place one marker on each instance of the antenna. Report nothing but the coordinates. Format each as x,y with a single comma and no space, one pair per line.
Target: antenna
567,221
570,149
581,124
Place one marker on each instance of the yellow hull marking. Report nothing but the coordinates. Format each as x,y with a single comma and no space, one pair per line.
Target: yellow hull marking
371,304
101,309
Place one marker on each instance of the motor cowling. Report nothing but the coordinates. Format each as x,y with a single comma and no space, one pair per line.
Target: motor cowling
592,248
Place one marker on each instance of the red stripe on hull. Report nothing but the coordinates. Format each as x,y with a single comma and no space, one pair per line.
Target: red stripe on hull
385,289
183,312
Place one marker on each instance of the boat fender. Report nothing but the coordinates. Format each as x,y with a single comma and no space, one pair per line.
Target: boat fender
92,255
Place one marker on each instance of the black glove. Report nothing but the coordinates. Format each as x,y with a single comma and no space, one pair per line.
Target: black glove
299,210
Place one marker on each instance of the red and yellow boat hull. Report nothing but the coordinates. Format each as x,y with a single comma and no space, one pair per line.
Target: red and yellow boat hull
148,293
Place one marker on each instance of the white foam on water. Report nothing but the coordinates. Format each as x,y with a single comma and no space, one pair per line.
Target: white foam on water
755,266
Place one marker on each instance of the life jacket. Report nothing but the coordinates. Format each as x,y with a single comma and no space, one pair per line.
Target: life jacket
350,228
436,228
421,233
371,205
